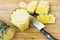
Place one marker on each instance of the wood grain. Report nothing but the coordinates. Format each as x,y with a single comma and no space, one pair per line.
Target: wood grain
8,6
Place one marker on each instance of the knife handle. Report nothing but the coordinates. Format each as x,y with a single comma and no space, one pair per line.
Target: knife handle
49,36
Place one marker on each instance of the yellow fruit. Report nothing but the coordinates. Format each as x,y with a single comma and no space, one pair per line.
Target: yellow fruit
20,18
8,35
46,18
42,7
22,5
31,6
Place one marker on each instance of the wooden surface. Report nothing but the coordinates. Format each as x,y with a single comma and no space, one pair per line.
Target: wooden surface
6,8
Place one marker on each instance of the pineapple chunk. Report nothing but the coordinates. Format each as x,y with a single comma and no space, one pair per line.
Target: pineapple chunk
20,18
8,34
31,6
46,18
22,5
42,7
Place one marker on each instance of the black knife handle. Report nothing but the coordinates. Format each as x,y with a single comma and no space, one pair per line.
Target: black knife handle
49,36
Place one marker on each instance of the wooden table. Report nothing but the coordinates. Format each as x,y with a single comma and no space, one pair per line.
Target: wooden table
8,6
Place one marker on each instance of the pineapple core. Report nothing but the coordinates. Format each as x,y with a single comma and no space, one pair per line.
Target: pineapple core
22,5
31,6
46,18
20,18
42,7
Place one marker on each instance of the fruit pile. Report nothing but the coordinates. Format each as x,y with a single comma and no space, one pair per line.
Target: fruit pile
41,8
20,18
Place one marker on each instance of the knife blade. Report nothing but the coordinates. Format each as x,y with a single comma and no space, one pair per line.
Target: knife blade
40,27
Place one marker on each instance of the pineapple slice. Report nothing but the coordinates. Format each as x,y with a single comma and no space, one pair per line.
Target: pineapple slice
20,18
22,5
42,7
31,6
46,18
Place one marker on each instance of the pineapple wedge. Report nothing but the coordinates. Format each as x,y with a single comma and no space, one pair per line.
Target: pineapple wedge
47,18
31,6
22,5
42,7
20,18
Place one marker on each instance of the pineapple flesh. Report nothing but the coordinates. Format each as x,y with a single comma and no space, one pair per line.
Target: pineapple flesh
20,18
31,6
42,7
47,18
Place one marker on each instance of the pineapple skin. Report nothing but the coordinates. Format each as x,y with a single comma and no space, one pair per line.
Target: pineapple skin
32,6
47,18
42,7
22,25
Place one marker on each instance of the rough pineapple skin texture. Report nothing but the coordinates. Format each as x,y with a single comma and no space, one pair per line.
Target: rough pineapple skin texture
8,34
42,7
3,27
23,5
20,18
31,6
46,18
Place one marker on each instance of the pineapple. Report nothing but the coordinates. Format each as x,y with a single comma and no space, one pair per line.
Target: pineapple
31,6
8,35
47,18
6,32
22,5
20,18
42,7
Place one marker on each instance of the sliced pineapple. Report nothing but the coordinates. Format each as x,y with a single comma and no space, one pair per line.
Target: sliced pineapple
22,5
31,6
46,18
42,7
20,18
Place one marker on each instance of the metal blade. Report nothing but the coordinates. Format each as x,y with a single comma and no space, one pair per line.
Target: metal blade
36,23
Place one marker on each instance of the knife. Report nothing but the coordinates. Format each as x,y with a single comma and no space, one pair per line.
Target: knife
40,27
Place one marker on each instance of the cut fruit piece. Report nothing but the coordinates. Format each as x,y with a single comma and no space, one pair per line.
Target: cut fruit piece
31,6
22,5
42,7
20,18
46,18
8,34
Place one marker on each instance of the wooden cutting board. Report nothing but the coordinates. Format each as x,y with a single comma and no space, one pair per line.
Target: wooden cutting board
8,6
